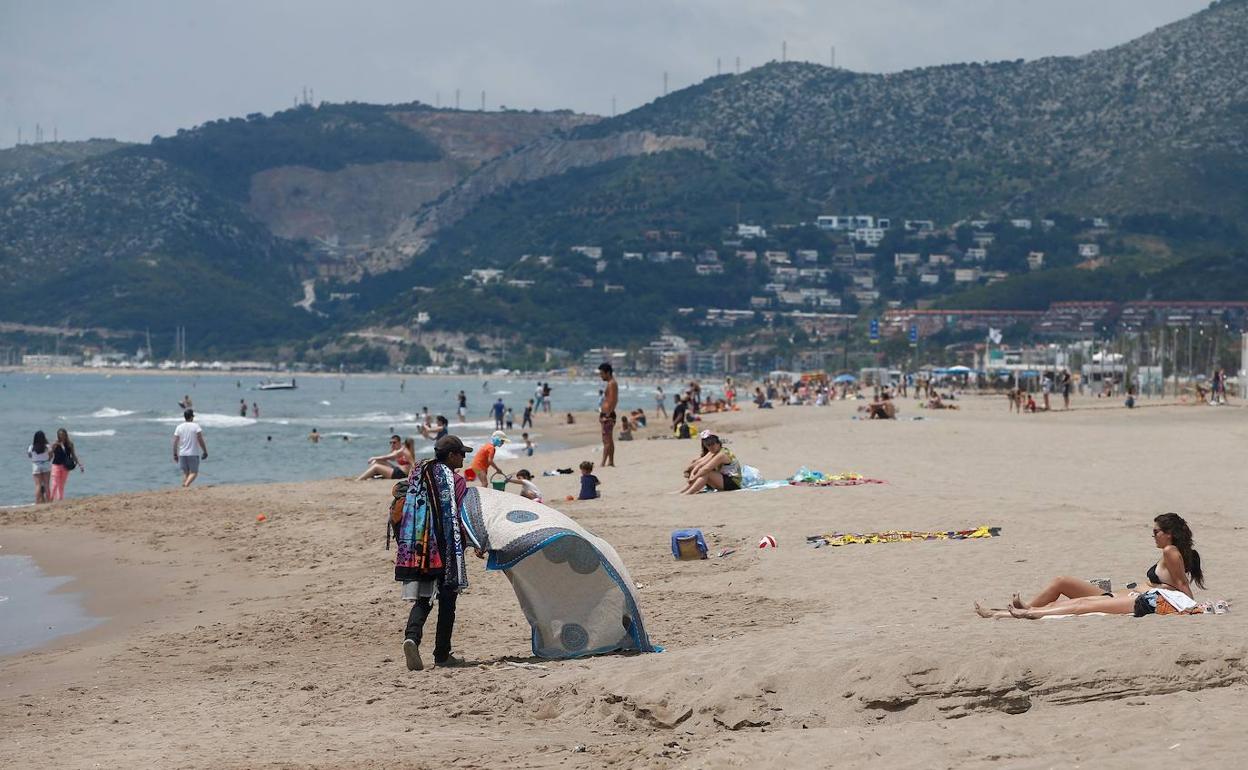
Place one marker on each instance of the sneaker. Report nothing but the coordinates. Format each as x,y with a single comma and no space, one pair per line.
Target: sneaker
411,651
449,662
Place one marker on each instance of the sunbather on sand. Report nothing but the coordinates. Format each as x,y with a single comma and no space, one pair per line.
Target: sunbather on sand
1177,569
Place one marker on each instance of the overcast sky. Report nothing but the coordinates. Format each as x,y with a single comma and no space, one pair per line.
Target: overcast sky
134,68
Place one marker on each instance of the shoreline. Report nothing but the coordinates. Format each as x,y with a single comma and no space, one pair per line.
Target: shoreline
108,590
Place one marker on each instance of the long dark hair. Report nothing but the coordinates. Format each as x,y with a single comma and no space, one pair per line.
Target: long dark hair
1181,535
39,442
65,443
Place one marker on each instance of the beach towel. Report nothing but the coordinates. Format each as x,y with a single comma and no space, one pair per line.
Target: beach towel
429,542
572,586
1166,601
900,536
805,477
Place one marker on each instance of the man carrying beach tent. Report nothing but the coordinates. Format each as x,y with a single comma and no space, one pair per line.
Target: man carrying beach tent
572,586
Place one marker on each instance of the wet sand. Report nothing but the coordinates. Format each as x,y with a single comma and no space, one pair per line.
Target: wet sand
233,643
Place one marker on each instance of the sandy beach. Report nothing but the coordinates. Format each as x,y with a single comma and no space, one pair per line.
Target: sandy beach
236,644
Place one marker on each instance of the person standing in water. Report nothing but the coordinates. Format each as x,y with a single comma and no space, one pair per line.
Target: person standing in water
40,457
462,408
189,448
606,414
242,407
64,460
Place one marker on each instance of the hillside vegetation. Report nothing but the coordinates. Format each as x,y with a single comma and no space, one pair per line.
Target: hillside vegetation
388,207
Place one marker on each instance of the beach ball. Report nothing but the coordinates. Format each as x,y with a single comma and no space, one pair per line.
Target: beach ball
260,517
767,542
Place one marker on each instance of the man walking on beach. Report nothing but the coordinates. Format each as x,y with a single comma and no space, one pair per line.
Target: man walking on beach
188,442
606,414
431,513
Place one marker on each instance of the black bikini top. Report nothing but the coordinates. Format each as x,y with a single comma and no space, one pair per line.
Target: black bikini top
1152,576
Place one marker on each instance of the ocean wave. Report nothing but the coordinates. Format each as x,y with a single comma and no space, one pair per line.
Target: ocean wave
210,420
109,432
108,411
324,403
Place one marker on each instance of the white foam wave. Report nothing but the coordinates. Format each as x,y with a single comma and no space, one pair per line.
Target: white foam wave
108,411
485,424
210,420
324,403
109,432
502,392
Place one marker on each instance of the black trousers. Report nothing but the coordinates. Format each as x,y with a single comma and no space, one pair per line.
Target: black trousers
446,622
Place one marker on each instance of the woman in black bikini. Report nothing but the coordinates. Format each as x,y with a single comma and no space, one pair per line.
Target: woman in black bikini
1177,569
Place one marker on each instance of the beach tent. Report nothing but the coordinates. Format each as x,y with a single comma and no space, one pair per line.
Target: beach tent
844,378
959,370
574,590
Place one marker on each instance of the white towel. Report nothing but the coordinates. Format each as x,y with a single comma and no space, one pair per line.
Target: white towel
1179,600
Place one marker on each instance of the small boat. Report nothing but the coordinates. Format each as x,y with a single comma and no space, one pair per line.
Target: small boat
277,385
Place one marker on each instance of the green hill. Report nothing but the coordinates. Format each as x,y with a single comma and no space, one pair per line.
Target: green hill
388,207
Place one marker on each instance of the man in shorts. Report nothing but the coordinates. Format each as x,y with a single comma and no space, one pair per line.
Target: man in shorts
606,414
188,442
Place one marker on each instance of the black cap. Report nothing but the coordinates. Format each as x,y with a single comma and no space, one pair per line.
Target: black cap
448,444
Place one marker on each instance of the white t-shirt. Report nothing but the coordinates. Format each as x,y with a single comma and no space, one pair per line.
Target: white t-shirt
187,434
530,489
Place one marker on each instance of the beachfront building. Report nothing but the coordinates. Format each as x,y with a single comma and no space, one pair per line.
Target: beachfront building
44,361
929,322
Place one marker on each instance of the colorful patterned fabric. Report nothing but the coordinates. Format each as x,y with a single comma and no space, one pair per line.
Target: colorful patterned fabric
428,535
900,536
805,477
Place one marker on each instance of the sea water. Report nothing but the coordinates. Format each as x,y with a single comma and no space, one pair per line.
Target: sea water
122,424
32,611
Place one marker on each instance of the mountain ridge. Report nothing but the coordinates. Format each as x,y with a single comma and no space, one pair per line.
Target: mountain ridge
372,200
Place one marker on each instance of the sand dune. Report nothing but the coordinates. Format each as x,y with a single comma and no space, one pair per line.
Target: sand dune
237,644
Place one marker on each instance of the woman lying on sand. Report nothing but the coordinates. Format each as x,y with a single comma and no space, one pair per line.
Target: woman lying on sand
1178,567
